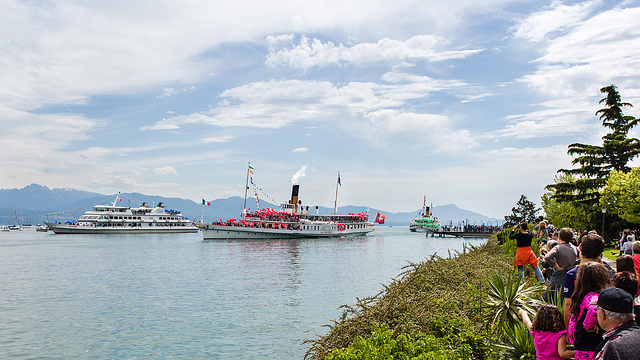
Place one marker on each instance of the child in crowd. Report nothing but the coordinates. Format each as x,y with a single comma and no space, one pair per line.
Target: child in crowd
549,334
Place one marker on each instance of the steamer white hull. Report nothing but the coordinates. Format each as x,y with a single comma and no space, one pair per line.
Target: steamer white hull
219,232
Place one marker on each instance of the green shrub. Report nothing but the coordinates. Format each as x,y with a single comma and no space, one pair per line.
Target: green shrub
420,346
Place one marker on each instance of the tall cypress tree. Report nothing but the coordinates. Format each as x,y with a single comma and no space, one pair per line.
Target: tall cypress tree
595,162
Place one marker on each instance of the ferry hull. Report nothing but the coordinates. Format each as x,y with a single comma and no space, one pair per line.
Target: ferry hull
220,232
78,229
422,229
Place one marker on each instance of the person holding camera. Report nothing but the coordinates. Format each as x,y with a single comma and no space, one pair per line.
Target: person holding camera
524,254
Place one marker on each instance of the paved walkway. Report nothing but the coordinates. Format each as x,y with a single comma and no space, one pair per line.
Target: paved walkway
610,262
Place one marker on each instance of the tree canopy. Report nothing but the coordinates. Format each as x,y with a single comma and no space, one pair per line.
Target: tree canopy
621,194
596,161
524,210
574,198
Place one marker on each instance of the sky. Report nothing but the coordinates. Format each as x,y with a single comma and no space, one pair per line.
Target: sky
471,103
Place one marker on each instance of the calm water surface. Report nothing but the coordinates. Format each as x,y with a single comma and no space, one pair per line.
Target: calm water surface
177,296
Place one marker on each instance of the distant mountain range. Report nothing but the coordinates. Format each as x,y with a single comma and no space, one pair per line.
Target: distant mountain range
34,203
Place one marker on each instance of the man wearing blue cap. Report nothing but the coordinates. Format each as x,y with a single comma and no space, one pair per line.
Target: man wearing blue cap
615,316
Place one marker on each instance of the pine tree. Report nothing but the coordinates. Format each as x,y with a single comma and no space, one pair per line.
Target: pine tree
524,210
595,162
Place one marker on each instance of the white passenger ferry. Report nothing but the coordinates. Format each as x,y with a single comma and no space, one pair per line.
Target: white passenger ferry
114,219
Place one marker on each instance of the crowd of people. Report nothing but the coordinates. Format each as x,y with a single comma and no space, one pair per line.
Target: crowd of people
601,305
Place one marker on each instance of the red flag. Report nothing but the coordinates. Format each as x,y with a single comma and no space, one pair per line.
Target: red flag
380,218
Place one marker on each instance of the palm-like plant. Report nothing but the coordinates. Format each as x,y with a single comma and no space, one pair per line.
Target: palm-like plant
519,344
504,299
557,298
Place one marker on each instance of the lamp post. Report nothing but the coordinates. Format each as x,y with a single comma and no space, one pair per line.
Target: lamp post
604,211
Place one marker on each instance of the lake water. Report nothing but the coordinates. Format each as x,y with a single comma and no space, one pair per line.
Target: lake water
177,296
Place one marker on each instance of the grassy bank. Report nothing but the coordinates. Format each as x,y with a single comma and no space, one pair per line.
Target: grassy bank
433,307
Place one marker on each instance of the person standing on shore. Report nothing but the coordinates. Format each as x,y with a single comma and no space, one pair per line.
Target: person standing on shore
591,250
563,258
524,254
625,263
636,255
583,332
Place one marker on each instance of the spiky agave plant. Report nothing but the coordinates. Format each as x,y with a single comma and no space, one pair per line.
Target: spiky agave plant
505,298
556,297
518,344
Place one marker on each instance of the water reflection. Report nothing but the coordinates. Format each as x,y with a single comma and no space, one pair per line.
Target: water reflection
179,296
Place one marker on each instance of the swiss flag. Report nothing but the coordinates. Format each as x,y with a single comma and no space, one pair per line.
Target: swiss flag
380,218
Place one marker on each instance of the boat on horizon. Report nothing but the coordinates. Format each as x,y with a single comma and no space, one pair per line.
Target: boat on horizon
425,221
114,219
290,221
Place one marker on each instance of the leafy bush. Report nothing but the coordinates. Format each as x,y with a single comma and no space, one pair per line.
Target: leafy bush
382,345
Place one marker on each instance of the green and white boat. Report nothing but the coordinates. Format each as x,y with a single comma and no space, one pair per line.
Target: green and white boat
425,221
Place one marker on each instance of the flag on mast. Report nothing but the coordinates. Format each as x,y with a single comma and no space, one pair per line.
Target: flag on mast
380,218
339,183
206,203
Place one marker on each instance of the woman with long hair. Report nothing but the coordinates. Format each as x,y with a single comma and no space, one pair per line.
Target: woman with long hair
625,263
583,330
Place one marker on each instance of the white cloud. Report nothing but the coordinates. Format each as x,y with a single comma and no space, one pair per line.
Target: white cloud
559,121
284,38
593,53
33,141
169,92
276,104
68,52
300,149
581,54
219,139
165,170
431,129
314,53
558,19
